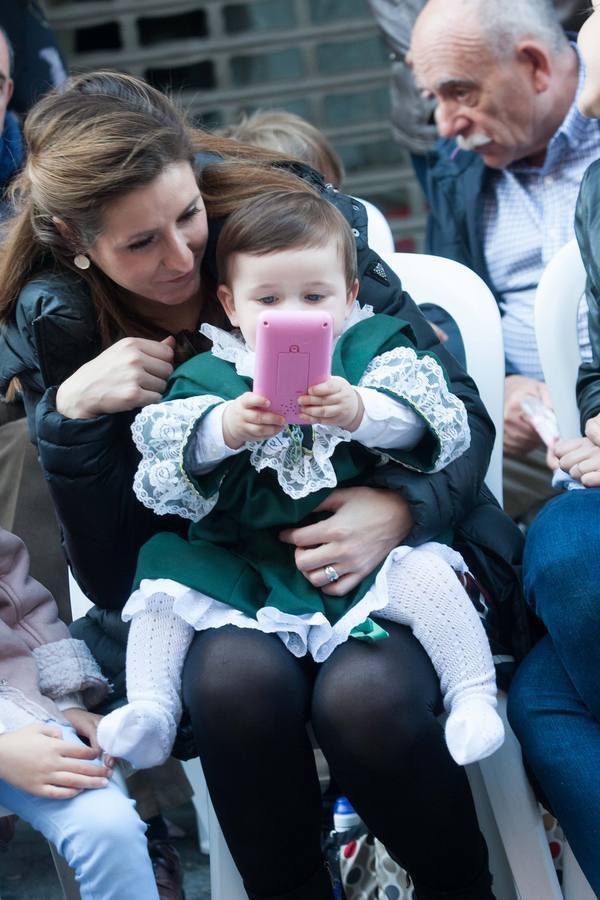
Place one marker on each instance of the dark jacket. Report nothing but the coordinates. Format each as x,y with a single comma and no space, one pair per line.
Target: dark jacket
587,229
455,193
12,156
90,464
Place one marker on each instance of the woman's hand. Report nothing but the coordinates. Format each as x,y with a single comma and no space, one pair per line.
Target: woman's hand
592,430
247,418
35,759
131,373
85,724
365,525
580,457
333,402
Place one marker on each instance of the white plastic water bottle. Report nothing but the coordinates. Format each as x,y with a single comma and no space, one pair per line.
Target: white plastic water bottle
344,815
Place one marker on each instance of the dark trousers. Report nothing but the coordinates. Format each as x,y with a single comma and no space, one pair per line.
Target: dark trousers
373,712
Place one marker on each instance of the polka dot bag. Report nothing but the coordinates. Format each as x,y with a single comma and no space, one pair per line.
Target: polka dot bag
369,873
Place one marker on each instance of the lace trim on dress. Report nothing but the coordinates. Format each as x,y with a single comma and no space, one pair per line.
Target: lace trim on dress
160,432
230,346
301,634
419,381
300,471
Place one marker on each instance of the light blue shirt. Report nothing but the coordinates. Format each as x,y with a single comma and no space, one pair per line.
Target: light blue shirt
528,216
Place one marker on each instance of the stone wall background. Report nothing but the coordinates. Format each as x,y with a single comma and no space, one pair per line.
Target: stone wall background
322,59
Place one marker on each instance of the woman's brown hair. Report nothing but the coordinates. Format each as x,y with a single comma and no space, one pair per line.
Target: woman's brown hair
90,142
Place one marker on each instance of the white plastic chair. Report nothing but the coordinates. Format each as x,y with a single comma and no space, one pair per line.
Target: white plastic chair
380,236
556,304
467,299
465,296
508,812
462,293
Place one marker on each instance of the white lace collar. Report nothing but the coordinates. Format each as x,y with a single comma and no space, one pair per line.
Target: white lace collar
299,471
231,346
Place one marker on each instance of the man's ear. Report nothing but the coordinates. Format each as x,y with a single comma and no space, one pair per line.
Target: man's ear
353,292
536,59
226,300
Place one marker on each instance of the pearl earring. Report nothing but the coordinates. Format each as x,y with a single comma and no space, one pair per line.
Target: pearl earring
82,261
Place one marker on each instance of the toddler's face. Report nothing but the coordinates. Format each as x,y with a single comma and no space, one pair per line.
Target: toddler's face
292,280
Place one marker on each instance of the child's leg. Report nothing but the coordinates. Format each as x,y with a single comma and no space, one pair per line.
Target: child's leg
98,832
143,731
426,595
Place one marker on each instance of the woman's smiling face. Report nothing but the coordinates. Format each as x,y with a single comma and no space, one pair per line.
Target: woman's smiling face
153,238
589,46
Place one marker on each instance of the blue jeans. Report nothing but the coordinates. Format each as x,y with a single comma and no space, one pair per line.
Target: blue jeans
98,832
554,701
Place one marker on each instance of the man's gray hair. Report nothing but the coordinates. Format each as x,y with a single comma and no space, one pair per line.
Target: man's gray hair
11,52
504,24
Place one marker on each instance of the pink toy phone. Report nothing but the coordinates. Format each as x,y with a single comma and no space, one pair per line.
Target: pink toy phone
293,353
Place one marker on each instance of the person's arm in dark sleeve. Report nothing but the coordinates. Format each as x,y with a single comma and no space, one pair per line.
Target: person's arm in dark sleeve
441,500
89,465
587,229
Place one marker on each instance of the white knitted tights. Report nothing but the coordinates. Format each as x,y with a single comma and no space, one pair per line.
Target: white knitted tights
143,731
426,595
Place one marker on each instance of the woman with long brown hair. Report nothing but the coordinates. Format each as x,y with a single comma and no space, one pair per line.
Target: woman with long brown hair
107,272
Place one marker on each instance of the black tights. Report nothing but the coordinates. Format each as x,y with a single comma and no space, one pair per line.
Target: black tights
373,710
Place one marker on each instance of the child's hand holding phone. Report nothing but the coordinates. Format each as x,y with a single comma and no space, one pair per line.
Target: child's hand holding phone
247,418
333,402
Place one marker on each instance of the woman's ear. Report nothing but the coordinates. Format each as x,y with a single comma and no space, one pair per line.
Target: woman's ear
65,232
226,300
353,292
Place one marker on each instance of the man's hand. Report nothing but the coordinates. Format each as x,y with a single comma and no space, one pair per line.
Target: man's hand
365,525
519,434
247,419
334,402
37,760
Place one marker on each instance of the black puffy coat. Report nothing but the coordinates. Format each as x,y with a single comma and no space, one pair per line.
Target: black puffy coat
89,464
587,229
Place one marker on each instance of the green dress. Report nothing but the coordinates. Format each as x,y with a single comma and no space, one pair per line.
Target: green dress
232,552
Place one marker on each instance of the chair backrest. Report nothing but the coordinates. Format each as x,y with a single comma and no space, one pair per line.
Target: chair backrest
463,294
381,239
79,602
556,304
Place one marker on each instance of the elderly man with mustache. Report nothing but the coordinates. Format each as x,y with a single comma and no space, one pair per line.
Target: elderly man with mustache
503,181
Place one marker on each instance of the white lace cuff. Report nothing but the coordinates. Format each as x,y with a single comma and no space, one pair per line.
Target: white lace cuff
160,433
207,446
419,381
300,472
387,423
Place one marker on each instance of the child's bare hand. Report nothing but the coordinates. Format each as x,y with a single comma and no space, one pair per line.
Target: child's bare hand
333,402
37,760
247,418
85,724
